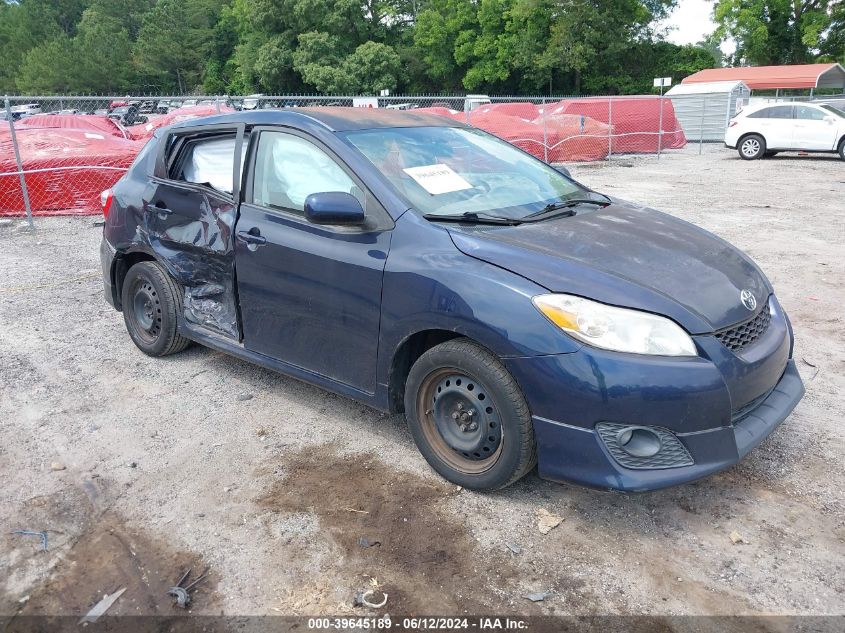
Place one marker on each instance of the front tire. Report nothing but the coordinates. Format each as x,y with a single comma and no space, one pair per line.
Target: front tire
752,147
468,416
152,302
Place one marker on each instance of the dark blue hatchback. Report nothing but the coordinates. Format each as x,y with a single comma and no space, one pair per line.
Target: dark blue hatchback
418,265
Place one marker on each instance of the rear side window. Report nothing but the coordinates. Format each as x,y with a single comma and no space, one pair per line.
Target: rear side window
809,114
775,112
206,161
289,168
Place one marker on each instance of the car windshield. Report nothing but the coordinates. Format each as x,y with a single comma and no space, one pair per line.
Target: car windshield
836,111
448,170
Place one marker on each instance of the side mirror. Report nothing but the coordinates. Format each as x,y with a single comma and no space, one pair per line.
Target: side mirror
333,207
563,170
830,119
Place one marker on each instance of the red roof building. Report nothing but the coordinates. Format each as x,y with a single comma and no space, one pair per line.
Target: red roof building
799,76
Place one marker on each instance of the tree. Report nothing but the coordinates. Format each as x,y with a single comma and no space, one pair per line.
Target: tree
771,32
373,67
174,42
49,68
102,51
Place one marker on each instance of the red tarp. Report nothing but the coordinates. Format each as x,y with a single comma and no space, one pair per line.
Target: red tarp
89,122
635,122
66,169
574,137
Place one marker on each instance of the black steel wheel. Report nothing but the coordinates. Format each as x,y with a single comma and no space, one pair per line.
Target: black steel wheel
152,302
468,416
460,420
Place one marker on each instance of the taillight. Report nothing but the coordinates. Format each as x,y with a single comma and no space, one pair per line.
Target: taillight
732,123
106,199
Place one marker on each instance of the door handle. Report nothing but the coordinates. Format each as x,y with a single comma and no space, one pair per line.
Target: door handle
248,237
161,209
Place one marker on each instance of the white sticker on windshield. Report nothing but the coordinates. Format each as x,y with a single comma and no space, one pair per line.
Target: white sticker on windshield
437,179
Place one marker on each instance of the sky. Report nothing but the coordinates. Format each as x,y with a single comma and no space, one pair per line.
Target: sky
691,21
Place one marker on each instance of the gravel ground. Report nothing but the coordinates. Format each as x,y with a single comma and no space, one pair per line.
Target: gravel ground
139,468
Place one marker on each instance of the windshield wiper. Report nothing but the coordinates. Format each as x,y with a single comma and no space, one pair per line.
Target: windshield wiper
473,218
564,206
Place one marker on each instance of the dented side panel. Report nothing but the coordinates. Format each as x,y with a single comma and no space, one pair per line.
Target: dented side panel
190,230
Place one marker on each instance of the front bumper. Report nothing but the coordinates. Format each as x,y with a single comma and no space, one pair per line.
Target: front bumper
571,453
718,406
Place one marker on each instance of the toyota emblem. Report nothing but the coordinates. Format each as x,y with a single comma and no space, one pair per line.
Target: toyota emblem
748,299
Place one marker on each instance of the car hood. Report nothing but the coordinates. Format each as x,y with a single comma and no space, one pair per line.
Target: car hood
628,256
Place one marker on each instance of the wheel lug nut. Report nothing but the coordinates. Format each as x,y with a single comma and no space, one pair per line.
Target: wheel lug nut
455,415
460,406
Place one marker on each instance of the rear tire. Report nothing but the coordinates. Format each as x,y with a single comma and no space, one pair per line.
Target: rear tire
468,416
752,147
842,149
152,304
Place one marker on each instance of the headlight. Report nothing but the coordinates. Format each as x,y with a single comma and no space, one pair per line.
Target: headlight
617,329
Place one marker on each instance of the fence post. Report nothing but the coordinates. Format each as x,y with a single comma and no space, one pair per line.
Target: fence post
660,129
14,136
609,127
545,134
217,104
701,125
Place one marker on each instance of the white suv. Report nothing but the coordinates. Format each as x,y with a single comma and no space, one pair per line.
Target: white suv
765,130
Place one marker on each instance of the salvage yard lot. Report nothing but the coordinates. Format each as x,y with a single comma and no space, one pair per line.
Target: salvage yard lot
139,468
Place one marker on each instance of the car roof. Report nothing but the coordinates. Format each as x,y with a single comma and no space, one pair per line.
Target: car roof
337,119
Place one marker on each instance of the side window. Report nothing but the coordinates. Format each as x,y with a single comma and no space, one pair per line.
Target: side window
776,112
207,161
288,169
811,114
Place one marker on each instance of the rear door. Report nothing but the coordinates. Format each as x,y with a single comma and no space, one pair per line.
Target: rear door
814,130
189,213
309,295
775,124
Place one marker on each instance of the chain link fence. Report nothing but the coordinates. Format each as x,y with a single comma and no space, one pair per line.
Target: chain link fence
58,153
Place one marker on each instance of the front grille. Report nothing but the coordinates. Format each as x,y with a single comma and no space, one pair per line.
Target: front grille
742,335
672,453
737,415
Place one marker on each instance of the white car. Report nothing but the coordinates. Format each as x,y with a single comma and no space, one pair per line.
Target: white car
765,130
27,109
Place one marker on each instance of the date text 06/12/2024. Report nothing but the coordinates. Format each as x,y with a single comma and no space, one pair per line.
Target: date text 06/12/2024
385,623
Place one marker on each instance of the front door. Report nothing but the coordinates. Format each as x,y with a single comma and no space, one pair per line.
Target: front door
309,295
813,129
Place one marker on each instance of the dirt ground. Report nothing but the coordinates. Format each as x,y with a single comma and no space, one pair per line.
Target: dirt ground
298,500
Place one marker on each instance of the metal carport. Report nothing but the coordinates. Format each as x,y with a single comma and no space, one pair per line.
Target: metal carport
704,109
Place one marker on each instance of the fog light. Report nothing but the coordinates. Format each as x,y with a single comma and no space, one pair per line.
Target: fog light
643,447
639,441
